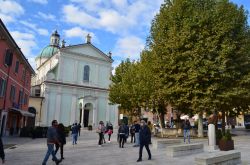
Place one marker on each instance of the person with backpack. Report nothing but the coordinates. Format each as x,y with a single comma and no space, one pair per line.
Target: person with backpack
186,130
132,133
109,130
122,135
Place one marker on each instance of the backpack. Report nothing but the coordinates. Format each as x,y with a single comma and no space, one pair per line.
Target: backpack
122,129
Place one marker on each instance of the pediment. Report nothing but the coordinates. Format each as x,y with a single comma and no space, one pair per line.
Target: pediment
87,50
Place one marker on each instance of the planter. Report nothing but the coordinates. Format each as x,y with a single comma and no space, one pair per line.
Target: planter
226,145
90,127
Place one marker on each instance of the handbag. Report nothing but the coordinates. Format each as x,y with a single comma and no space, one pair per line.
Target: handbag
98,130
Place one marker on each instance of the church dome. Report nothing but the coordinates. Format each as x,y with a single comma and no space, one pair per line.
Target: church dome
48,51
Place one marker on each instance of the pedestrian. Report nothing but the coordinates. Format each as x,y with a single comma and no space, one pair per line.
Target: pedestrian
122,135
100,130
186,130
74,133
61,138
79,128
2,155
126,132
150,126
145,136
110,131
132,133
137,129
52,138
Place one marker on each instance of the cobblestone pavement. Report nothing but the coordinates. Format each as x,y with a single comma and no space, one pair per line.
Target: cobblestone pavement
87,152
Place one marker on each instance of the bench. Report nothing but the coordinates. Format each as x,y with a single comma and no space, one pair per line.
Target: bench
219,158
163,143
184,149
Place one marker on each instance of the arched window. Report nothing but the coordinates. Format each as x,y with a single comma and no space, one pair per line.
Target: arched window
86,73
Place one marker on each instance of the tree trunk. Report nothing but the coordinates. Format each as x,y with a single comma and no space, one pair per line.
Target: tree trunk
200,125
223,124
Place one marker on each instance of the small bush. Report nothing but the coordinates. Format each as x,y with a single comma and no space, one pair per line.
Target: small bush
227,136
218,134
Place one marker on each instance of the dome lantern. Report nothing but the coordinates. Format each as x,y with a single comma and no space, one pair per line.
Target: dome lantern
55,39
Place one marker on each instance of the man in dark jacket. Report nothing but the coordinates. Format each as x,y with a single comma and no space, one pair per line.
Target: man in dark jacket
52,139
145,138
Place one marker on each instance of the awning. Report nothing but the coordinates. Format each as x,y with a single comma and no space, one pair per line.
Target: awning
24,113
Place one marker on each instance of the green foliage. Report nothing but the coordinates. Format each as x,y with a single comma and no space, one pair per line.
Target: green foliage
227,135
218,134
202,49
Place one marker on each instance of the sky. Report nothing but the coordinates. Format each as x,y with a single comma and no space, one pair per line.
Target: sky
119,26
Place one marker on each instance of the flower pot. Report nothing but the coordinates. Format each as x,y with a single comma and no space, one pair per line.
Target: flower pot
90,127
226,145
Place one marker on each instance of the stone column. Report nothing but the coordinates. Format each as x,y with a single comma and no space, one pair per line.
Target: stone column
73,109
44,118
58,107
211,137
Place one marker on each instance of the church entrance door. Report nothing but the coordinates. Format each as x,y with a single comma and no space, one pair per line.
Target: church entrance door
86,118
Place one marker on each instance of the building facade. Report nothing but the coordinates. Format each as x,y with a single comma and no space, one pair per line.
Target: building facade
73,84
15,80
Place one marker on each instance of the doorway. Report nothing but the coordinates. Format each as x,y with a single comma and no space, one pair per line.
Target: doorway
86,118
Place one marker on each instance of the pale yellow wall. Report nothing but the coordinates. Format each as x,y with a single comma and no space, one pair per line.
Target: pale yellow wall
36,103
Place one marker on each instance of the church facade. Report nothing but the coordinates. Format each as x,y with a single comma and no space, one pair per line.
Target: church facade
73,84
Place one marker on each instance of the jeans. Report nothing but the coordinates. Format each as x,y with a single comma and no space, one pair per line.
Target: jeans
74,138
137,139
186,135
50,151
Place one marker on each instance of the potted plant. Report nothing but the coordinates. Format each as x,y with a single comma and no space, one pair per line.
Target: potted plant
90,127
218,136
226,143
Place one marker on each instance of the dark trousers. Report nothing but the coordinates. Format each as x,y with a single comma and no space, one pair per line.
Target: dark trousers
100,138
61,149
109,136
122,140
103,138
132,137
147,148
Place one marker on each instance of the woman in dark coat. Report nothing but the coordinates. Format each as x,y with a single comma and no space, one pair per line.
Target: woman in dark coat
145,138
62,139
2,155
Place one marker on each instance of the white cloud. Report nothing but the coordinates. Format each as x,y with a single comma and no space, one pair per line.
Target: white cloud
43,2
46,16
9,10
34,27
73,14
26,41
115,64
129,47
116,16
80,33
